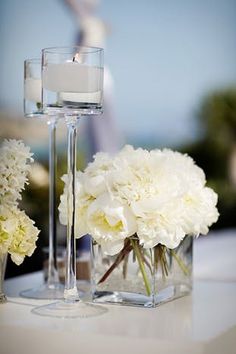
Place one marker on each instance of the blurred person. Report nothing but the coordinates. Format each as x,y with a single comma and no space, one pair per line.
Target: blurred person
92,30
103,133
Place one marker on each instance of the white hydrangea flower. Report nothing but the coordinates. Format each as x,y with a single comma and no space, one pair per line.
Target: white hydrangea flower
8,224
15,159
24,238
17,231
18,235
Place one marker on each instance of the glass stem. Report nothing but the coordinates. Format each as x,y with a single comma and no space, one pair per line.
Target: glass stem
3,261
53,277
71,292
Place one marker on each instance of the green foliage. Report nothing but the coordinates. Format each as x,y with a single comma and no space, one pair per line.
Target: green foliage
217,119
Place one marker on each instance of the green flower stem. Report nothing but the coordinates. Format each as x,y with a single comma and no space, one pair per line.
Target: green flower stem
39,105
141,266
180,263
163,261
125,251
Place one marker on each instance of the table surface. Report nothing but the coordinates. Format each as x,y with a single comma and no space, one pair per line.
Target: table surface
204,322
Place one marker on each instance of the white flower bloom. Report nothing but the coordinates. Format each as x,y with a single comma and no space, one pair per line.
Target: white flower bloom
159,221
17,231
94,180
24,238
15,159
110,222
160,195
83,200
200,211
18,234
8,224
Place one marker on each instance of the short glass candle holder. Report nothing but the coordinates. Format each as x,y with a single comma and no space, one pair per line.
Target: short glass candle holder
32,88
72,80
142,277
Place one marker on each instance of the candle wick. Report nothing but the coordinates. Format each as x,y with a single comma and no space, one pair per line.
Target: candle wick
76,57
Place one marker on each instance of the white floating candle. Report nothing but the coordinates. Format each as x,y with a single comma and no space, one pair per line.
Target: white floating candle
72,77
33,88
92,97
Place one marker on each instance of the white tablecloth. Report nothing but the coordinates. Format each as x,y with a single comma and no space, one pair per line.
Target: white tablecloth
204,322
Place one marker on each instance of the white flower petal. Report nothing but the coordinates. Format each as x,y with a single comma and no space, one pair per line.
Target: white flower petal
110,222
111,248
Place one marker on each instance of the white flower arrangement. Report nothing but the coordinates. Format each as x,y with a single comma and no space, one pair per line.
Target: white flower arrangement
18,234
15,159
160,196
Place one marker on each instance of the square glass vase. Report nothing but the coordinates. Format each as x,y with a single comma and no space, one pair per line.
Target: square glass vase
142,277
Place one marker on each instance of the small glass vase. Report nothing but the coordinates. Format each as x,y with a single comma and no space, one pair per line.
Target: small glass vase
3,262
142,277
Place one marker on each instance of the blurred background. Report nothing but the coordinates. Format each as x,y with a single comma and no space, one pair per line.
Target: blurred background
170,81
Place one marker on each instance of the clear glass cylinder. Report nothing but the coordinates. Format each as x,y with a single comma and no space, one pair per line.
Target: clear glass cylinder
52,289
72,80
142,277
32,88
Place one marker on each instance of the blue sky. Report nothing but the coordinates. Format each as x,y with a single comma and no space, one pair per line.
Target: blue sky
164,55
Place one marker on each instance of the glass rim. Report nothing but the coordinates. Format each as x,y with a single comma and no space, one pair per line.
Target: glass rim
32,60
70,49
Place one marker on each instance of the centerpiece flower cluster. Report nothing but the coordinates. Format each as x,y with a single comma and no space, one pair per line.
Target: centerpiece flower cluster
159,196
18,234
141,203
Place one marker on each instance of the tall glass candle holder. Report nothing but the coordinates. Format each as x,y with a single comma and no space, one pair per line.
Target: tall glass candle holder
72,85
52,289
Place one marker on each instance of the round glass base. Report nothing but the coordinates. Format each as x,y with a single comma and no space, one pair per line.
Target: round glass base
63,309
45,291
